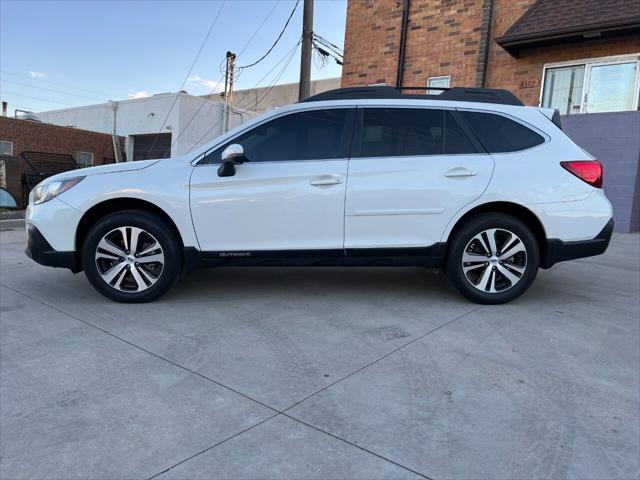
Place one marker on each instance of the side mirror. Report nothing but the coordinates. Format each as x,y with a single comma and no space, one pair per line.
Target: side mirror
231,156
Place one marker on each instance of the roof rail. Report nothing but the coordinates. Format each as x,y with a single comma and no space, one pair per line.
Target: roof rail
461,94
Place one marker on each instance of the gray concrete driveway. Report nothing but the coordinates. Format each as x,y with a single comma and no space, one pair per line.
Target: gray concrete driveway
321,373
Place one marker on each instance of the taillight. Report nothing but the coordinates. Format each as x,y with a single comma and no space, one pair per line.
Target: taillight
589,171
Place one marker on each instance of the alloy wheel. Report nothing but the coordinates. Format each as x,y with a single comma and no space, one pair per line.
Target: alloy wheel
129,259
494,260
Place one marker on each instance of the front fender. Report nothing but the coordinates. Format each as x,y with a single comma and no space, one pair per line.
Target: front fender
165,185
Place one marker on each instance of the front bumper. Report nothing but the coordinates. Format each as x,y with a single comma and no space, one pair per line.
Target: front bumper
559,251
42,252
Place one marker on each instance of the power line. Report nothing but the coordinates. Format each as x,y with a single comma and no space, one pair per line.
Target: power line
195,144
53,90
255,32
329,46
187,76
258,28
19,107
218,82
276,79
277,39
325,54
290,54
56,83
267,89
38,98
326,49
320,37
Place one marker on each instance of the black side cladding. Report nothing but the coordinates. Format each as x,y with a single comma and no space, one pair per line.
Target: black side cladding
431,256
559,251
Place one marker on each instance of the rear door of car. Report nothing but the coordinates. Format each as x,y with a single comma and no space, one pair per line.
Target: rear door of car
411,170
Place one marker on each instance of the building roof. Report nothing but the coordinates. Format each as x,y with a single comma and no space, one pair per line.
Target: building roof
20,123
555,21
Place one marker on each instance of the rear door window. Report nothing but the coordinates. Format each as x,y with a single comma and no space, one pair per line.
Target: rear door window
400,132
403,132
499,134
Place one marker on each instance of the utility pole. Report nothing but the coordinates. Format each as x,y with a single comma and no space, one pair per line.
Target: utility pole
228,87
307,47
114,137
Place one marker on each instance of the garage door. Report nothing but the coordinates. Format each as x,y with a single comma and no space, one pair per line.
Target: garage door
147,147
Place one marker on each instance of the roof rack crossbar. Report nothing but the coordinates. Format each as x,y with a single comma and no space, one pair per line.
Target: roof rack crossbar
461,94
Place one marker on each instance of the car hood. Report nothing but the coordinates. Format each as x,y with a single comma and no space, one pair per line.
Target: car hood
110,168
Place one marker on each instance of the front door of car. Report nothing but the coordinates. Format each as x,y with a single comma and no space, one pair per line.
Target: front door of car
290,193
411,171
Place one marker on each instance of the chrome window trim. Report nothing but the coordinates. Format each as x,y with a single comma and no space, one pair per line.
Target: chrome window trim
278,162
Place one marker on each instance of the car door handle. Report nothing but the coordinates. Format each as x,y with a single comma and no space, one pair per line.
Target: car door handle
326,180
460,172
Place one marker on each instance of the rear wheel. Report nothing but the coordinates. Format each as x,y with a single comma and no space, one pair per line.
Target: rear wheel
131,256
493,259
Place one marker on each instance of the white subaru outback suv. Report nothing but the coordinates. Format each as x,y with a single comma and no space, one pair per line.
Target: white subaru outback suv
470,181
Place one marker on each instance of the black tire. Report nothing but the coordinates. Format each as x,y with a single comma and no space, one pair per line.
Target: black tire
462,240
151,224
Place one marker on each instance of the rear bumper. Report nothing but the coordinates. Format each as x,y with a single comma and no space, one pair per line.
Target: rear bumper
39,250
559,251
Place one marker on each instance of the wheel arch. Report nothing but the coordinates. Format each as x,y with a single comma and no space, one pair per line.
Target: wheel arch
106,207
515,210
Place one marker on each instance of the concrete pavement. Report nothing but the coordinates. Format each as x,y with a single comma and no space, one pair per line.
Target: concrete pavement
321,373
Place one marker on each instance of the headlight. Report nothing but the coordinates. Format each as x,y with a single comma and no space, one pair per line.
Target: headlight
48,190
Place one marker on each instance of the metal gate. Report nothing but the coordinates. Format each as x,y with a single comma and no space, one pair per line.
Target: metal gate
151,146
42,165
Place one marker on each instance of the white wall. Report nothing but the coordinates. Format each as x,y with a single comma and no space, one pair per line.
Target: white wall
263,99
146,115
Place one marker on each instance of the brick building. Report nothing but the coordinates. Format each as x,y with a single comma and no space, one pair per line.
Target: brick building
55,147
28,135
577,48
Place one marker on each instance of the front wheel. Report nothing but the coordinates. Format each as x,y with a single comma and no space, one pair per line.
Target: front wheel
493,259
131,256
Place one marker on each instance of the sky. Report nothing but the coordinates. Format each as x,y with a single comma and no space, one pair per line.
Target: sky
57,54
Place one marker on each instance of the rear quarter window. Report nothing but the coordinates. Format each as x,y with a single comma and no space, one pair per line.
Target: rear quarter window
500,134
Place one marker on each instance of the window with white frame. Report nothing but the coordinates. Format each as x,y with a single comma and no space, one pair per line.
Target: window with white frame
84,159
438,82
597,85
6,148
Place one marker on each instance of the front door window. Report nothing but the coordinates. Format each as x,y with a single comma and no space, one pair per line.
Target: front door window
310,135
